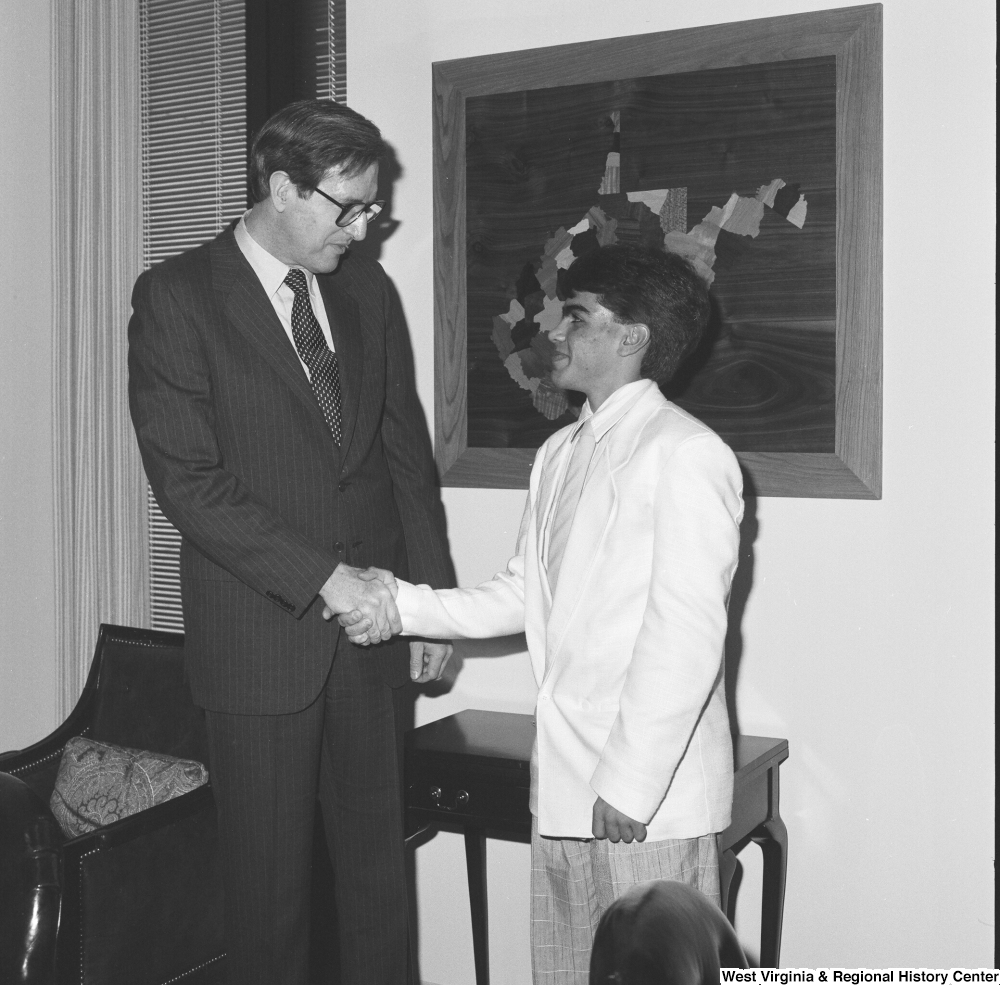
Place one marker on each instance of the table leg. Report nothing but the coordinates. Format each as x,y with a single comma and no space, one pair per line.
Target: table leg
773,840
475,861
730,877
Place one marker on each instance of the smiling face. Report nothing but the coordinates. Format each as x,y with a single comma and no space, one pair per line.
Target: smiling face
305,225
593,350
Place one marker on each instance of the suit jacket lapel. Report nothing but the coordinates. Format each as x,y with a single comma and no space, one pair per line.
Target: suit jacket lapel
551,481
345,327
595,512
583,548
250,310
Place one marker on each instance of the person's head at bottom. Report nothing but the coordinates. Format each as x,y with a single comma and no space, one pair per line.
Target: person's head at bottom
663,933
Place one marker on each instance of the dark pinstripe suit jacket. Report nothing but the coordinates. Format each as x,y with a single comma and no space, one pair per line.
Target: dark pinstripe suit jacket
241,461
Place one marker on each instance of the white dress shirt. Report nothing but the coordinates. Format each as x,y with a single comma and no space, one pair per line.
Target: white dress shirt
271,273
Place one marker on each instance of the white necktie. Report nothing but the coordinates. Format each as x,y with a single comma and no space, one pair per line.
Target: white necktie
569,496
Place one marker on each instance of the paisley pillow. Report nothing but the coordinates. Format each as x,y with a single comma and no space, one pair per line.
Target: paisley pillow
99,783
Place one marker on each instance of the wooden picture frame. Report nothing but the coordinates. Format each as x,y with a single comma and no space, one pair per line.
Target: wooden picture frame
852,37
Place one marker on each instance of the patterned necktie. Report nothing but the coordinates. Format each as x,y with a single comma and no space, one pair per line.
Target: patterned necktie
315,353
569,497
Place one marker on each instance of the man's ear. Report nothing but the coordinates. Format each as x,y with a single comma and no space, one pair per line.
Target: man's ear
635,339
282,190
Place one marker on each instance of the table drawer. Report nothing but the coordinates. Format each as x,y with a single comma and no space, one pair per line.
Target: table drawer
456,794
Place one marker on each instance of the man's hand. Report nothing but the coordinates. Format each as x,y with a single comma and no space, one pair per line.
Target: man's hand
428,660
612,824
367,594
356,624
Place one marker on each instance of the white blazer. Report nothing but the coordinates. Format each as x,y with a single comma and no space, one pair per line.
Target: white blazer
628,654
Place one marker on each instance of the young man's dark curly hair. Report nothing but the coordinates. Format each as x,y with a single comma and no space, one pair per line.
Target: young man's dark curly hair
660,290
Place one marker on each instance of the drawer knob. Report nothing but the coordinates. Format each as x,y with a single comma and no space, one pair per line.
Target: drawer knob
461,799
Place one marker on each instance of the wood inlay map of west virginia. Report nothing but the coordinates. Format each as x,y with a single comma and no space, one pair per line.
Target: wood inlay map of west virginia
733,168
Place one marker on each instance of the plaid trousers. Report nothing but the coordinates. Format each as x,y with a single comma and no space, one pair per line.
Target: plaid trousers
574,881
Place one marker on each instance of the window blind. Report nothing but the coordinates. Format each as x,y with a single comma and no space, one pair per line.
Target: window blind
331,61
193,94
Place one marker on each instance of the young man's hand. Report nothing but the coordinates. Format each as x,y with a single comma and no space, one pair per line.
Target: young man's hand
612,824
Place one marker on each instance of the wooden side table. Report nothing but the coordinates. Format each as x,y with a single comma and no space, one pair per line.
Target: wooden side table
470,771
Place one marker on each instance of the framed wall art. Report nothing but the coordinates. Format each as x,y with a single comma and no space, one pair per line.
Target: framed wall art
754,149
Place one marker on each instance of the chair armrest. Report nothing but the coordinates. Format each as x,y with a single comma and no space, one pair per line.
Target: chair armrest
126,883
29,874
143,823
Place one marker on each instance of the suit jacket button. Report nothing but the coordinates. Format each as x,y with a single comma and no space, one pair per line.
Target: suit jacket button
339,547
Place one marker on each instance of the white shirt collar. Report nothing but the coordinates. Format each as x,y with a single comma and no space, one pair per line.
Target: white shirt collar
270,271
614,408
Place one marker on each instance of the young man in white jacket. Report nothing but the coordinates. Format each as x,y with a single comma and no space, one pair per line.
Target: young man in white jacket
621,579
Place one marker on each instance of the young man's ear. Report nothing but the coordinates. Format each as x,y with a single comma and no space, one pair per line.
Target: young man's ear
635,339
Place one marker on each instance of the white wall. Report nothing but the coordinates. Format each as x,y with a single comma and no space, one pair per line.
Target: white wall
27,581
868,636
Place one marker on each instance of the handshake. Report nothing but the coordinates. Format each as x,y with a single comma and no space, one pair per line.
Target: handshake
363,600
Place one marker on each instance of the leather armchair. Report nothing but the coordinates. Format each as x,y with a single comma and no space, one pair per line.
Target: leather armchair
138,902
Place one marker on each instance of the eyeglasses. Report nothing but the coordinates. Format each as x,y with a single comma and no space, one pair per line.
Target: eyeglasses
353,211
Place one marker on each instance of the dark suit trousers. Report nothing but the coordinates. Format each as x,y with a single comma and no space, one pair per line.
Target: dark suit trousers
267,771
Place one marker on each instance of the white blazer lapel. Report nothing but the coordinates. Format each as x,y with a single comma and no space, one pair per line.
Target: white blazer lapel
594,514
551,482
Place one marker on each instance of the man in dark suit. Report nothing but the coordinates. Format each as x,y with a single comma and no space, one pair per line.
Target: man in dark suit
272,398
